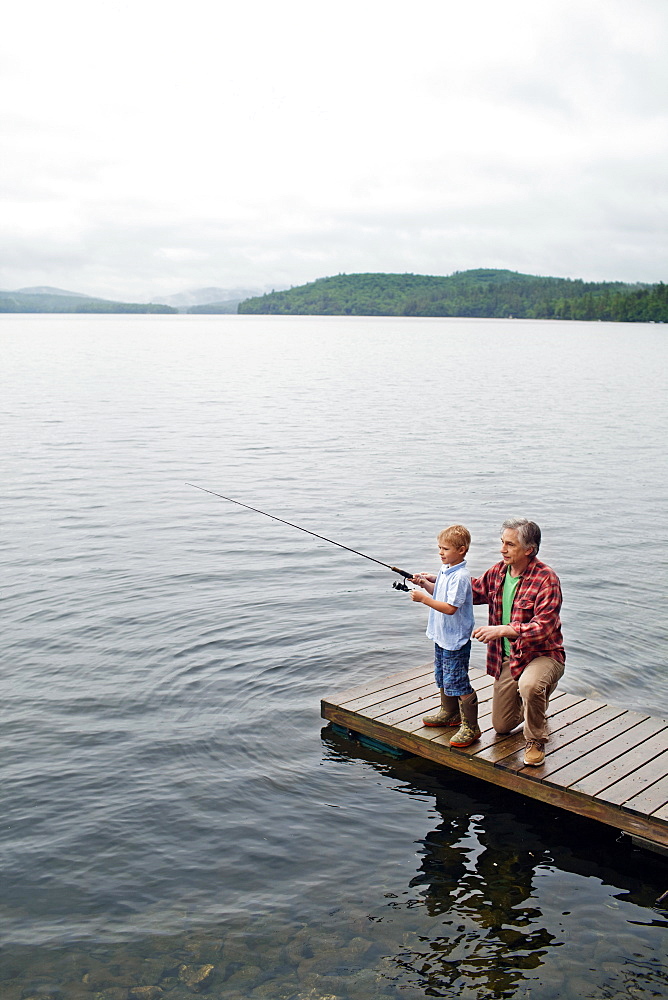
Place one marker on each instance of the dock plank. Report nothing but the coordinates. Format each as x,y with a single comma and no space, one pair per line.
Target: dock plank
379,684
639,780
631,731
622,766
661,814
586,740
382,702
650,800
565,711
602,761
567,734
409,717
504,745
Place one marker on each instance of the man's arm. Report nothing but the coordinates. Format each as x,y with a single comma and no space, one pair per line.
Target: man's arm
486,633
542,615
480,588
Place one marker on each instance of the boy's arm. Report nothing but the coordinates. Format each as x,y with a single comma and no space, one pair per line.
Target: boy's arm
446,609
425,580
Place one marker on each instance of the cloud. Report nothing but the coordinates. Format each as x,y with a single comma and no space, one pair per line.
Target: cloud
150,148
180,255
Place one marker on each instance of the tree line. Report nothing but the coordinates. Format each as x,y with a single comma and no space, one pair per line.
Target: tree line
22,302
478,293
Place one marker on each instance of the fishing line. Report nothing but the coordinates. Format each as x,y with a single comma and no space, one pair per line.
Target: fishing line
402,572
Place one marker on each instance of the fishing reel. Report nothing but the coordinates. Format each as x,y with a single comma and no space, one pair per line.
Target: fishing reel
401,585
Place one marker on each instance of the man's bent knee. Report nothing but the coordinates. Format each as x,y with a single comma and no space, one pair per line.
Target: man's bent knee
504,722
540,677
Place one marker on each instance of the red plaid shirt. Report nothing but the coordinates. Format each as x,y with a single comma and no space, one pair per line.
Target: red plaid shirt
534,615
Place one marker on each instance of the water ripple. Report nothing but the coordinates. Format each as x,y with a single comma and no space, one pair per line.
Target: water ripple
165,652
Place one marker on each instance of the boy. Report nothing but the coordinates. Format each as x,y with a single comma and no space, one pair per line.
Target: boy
449,626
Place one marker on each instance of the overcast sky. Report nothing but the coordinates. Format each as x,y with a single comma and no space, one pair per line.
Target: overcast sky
151,147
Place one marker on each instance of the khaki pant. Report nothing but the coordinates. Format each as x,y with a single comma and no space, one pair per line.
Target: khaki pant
525,698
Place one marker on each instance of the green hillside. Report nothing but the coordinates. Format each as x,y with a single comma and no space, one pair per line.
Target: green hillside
481,292
55,301
213,308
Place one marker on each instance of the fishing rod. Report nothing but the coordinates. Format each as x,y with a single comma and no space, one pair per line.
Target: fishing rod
402,572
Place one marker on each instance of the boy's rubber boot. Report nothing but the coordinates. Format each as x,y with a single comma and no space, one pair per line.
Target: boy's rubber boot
469,731
447,715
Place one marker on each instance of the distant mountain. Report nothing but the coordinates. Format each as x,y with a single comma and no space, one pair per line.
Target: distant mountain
43,299
210,308
208,296
483,292
47,290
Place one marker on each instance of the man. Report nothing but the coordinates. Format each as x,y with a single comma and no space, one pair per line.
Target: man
525,653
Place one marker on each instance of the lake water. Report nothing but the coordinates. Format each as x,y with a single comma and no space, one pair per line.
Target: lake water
175,814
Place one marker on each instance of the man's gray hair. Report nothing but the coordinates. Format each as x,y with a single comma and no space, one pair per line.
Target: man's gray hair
528,532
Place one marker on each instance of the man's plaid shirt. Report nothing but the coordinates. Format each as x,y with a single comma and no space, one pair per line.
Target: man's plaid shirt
534,615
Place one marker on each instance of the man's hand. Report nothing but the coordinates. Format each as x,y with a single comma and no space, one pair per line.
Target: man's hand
486,633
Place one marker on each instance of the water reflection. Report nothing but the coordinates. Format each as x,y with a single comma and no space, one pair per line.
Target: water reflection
518,899
166,813
496,932
503,898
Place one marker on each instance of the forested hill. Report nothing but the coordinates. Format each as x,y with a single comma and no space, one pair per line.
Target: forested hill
54,300
482,292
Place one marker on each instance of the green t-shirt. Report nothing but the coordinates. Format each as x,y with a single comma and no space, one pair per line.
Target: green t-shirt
509,587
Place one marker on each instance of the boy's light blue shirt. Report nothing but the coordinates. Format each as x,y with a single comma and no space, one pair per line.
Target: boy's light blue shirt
453,586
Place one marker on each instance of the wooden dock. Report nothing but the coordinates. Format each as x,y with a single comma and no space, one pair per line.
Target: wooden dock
603,762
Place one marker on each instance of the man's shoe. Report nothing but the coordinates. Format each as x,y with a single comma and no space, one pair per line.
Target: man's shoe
465,736
534,753
442,719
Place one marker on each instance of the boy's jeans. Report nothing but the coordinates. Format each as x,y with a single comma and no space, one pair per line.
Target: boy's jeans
451,670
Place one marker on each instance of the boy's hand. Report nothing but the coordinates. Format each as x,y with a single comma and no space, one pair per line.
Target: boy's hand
417,595
420,579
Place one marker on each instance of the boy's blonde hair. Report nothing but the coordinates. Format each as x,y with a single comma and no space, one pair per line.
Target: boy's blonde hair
457,535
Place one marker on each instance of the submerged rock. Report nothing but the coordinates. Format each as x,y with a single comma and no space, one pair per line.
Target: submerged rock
245,978
315,994
272,991
195,976
44,992
358,946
